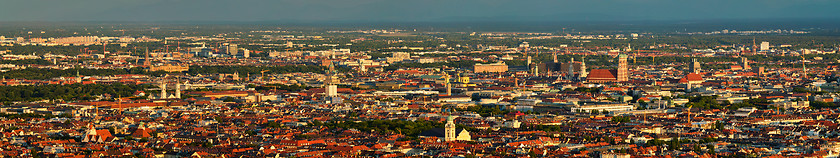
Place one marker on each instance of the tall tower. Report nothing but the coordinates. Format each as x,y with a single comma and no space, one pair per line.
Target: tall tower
162,89
529,61
232,49
448,84
147,62
178,90
583,72
78,77
554,55
628,49
695,66
362,67
332,90
571,68
449,129
621,73
332,68
745,63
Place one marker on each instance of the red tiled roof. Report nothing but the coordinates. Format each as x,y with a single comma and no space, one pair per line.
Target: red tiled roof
602,74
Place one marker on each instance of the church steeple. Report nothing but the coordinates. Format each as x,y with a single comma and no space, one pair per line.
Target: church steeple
583,72
449,129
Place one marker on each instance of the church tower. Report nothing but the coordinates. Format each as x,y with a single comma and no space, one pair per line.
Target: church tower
583,72
147,62
745,63
448,84
178,90
449,129
571,68
162,89
78,77
622,72
695,66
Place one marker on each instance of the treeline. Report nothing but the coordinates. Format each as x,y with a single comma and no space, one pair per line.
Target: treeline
485,111
41,74
27,62
66,92
407,128
291,88
710,102
466,64
256,70
30,116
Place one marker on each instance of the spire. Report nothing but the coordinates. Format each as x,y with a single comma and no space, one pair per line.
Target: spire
78,77
583,72
571,68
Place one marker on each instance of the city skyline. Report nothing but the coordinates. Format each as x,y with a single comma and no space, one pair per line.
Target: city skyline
396,78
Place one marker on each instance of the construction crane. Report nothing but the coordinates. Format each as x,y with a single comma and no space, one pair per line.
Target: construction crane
262,73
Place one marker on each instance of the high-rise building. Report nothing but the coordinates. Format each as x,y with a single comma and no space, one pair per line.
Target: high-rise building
695,66
622,73
765,46
332,90
246,53
529,61
232,49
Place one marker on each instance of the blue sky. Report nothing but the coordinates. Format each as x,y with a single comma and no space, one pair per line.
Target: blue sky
412,10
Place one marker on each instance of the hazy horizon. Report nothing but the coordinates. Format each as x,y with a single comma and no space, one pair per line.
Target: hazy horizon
325,11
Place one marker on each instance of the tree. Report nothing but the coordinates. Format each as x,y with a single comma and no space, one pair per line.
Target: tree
697,149
711,149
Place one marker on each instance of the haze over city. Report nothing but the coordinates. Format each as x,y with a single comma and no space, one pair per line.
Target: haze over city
412,11
423,78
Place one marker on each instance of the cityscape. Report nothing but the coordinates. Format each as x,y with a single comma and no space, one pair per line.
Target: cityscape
173,84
